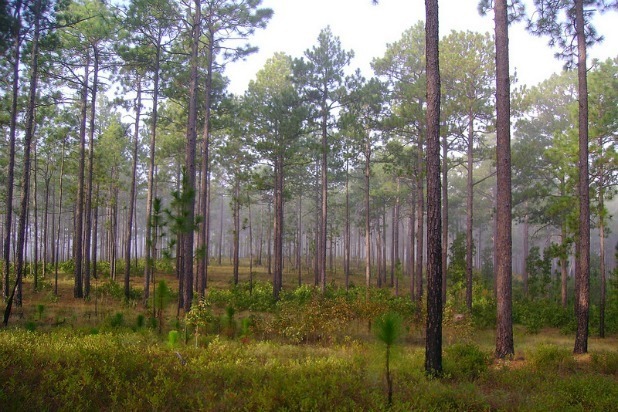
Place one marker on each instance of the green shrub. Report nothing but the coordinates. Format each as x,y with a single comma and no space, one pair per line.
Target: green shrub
465,361
548,357
117,320
172,338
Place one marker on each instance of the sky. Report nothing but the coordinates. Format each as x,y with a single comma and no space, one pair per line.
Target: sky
367,29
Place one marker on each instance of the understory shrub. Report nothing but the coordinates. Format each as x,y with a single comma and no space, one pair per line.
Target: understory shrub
465,361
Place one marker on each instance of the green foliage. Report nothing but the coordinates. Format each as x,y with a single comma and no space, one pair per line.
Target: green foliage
140,321
551,358
243,296
465,361
538,314
388,328
172,338
117,320
39,310
539,273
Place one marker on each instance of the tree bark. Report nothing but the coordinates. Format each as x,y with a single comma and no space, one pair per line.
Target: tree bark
10,178
503,246
78,252
582,270
129,228
433,343
189,181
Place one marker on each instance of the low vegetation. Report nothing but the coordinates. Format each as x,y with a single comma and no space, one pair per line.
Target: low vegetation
238,349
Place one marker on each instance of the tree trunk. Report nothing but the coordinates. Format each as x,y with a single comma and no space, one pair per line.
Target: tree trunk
189,181
10,178
205,183
149,250
278,228
469,209
57,249
132,200
367,219
433,343
445,216
78,251
236,238
28,139
324,182
503,247
582,269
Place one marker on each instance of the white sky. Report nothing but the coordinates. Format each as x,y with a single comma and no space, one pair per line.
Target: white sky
366,29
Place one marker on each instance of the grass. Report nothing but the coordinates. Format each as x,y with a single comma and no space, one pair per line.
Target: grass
304,353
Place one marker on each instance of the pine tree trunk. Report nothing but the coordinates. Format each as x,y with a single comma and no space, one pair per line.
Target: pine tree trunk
582,269
433,345
503,246
132,197
469,209
10,178
78,251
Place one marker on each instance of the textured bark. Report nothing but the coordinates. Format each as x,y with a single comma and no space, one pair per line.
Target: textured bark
469,210
10,178
189,182
582,270
204,234
78,253
433,343
132,199
88,194
445,216
28,139
503,243
150,247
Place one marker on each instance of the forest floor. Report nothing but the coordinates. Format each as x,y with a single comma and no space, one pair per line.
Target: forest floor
304,353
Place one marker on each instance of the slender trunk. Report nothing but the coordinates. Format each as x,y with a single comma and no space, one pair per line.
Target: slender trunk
582,268
433,342
503,246
469,210
220,230
129,228
324,181
602,269
412,238
236,240
445,216
367,219
526,247
35,243
56,257
149,250
420,206
299,240
203,240
278,228
346,240
78,251
95,225
46,237
10,178
189,180
28,139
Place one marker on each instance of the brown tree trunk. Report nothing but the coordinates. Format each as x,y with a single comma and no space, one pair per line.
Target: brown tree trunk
445,216
205,183
10,178
132,199
78,252
469,209
189,181
503,246
433,342
582,269
149,249
88,204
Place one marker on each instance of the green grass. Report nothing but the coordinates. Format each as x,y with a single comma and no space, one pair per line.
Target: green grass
242,351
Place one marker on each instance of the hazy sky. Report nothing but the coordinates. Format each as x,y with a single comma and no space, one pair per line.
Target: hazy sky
366,29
